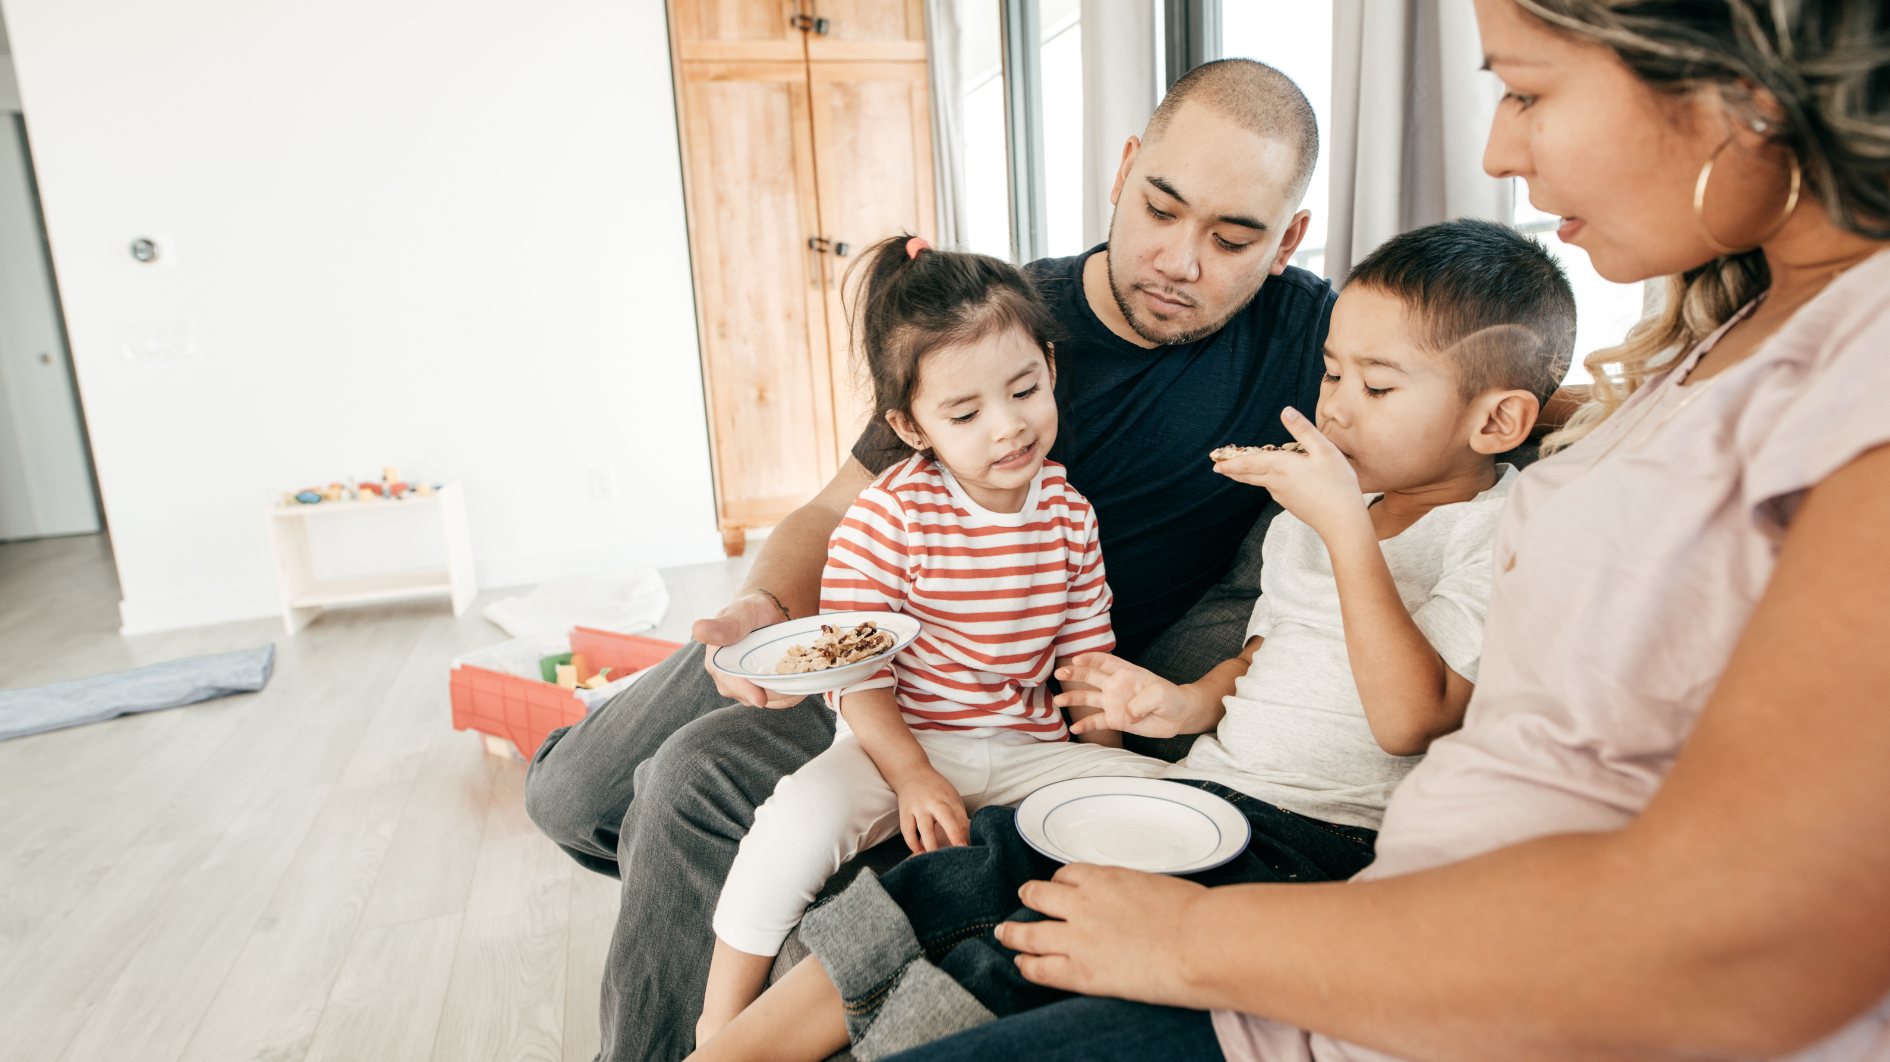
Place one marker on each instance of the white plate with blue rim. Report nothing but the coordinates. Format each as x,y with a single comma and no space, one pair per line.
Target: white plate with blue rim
754,658
1149,824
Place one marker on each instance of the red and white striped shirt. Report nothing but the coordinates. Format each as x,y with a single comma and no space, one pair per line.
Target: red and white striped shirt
1001,595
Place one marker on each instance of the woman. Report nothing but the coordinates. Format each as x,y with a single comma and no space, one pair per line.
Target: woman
1665,828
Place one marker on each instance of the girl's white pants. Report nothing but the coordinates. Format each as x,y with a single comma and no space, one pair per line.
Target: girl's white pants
838,805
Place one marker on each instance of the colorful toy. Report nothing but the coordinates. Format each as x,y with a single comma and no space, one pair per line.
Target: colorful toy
488,698
388,488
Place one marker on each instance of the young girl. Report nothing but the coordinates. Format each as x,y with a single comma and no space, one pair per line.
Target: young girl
983,540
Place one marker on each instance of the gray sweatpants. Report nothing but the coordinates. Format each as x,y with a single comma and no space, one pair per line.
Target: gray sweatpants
659,786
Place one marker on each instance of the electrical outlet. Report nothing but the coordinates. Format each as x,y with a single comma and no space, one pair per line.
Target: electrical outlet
603,483
161,339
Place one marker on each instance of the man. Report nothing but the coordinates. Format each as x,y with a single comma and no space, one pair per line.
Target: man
1176,344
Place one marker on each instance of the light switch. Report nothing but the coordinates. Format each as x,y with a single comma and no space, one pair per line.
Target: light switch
160,339
603,483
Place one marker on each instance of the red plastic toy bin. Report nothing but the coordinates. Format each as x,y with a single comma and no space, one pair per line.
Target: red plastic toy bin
490,696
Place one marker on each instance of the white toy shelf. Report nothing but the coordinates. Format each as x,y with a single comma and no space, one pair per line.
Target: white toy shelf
304,597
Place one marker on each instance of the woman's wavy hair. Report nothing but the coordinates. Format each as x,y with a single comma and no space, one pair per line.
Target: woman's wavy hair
1828,64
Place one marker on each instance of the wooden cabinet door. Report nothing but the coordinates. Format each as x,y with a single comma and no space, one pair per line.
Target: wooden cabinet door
736,30
749,171
869,29
873,153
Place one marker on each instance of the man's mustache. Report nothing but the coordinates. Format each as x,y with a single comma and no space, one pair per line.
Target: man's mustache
1168,293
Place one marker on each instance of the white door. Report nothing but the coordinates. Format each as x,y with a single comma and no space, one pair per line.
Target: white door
45,473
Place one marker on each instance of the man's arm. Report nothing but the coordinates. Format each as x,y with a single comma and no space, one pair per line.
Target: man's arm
788,571
1560,406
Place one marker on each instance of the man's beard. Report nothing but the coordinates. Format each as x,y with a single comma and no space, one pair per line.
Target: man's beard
1141,328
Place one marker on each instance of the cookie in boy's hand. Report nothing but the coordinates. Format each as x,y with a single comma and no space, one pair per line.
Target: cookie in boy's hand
1228,453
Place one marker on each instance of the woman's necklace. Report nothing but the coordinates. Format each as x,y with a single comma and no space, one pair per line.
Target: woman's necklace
1685,372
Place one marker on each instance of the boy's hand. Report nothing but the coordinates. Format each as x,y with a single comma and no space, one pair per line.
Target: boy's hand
1319,486
931,813
1132,699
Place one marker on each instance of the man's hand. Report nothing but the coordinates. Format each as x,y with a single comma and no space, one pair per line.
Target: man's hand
1120,933
742,617
1318,486
931,813
1133,699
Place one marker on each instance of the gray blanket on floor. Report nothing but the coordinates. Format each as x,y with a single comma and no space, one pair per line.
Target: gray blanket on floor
168,685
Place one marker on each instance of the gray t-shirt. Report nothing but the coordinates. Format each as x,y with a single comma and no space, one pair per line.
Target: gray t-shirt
1295,733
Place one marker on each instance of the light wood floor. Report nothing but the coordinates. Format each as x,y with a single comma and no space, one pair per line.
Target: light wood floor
325,870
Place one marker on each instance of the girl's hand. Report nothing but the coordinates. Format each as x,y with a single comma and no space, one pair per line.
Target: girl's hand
931,813
1319,486
1120,933
1132,699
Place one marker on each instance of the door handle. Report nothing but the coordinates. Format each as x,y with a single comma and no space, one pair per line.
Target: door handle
824,245
810,24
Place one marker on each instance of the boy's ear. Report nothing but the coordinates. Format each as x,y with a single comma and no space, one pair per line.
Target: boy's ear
1501,420
907,431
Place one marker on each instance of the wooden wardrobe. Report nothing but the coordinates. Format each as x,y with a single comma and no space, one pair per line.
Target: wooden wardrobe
806,137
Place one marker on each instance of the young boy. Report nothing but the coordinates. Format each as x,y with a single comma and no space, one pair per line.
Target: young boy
1362,648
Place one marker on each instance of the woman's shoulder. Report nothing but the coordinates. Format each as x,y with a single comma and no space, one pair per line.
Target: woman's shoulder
1820,396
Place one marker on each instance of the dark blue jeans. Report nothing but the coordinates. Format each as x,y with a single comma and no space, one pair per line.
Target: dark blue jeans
914,959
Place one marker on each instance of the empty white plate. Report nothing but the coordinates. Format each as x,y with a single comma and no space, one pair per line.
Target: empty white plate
1140,823
755,656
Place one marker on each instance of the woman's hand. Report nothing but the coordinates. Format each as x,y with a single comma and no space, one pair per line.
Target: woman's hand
1133,699
1319,486
931,813
1119,933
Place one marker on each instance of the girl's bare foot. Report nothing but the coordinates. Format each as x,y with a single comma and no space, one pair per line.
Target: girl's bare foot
800,1019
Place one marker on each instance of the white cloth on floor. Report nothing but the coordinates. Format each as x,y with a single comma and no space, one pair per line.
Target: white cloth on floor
625,601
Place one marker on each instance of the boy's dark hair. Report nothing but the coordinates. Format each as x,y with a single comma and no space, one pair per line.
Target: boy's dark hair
907,306
1493,300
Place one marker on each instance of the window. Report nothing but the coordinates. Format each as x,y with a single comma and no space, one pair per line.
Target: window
986,200
1057,61
1062,67
1604,310
1296,39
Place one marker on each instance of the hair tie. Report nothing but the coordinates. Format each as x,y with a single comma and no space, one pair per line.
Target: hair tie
915,245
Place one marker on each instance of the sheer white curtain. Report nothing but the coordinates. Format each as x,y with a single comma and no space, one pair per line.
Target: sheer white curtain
944,62
1410,114
1119,94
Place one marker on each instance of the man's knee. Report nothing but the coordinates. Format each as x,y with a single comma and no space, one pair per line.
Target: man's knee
557,802
717,770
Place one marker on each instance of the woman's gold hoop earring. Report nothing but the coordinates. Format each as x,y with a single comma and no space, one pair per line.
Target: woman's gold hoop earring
1699,203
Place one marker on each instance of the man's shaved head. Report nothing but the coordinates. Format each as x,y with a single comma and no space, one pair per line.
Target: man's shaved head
1255,97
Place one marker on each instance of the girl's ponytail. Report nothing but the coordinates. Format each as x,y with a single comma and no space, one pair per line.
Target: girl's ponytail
911,299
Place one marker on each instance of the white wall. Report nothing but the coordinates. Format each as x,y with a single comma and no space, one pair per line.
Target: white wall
448,236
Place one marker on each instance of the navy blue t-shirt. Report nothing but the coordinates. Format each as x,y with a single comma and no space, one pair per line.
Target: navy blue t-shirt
1136,427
